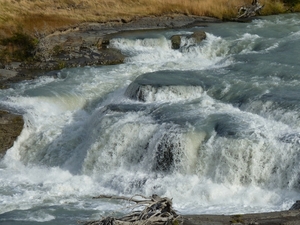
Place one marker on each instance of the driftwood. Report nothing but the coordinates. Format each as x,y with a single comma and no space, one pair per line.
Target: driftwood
251,10
156,211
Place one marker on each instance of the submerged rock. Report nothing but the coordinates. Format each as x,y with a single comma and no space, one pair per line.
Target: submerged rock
11,126
176,41
197,37
165,85
164,155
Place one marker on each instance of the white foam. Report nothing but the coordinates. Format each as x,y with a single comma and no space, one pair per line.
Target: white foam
196,195
158,54
40,217
32,186
171,93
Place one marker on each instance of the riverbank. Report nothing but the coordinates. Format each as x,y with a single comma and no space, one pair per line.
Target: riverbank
291,217
46,17
86,45
165,214
37,37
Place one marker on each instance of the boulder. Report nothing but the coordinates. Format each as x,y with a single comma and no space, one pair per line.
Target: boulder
6,74
181,83
198,36
176,41
11,126
296,205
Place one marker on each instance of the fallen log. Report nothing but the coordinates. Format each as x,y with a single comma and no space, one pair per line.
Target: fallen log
156,211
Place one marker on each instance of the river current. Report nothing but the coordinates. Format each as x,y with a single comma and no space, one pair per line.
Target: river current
215,126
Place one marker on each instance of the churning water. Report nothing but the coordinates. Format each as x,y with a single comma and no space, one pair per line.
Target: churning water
215,126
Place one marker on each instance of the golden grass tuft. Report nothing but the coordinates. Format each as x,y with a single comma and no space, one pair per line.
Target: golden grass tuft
31,15
273,7
297,8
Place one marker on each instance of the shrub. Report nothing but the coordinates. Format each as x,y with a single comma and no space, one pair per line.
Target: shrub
291,2
20,46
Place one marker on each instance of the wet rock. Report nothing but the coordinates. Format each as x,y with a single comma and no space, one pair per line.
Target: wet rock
126,107
6,74
271,218
70,50
11,126
176,41
229,126
178,82
295,206
165,149
103,43
198,36
293,138
83,57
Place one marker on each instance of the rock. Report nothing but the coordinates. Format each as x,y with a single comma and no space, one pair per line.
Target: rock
110,57
6,74
271,218
104,43
13,66
296,205
176,41
198,36
11,126
150,83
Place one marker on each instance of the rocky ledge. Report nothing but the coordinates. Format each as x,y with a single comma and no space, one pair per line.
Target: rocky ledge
291,217
85,45
11,126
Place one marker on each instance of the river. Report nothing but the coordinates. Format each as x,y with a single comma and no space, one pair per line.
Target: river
215,126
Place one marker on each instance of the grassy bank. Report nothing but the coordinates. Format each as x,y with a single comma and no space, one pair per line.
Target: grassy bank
46,16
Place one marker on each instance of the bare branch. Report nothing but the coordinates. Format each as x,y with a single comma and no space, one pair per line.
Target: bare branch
250,10
157,211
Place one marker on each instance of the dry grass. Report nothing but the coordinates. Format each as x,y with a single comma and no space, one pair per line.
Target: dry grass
48,15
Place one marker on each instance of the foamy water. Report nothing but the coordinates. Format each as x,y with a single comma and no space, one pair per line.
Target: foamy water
214,126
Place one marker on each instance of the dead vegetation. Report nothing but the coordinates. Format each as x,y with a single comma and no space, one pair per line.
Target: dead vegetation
250,10
155,211
31,15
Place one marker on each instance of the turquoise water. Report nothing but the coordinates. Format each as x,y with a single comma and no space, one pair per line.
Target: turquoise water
215,126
